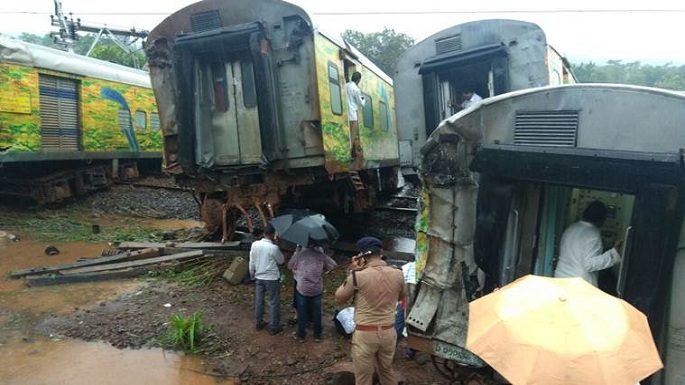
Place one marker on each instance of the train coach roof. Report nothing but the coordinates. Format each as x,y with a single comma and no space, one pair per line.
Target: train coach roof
22,53
573,88
610,116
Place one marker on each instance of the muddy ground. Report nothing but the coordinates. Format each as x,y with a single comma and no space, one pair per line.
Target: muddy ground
138,318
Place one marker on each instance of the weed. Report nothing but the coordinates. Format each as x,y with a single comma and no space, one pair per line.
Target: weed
63,228
184,333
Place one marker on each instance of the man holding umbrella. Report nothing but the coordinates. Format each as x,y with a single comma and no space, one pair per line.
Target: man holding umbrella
308,265
376,288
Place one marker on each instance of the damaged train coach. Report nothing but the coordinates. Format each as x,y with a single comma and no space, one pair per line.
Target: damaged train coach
489,57
253,107
505,177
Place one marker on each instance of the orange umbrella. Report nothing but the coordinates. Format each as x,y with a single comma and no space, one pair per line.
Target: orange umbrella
554,331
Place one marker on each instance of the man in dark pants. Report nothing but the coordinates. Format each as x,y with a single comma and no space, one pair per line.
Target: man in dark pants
376,288
265,257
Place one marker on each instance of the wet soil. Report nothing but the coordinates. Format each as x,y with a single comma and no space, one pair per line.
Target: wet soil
135,313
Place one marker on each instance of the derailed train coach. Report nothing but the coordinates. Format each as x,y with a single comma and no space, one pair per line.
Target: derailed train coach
254,113
504,178
71,124
490,57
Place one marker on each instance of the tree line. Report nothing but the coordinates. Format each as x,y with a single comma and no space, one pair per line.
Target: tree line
385,47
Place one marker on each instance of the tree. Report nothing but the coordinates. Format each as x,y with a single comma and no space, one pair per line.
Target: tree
106,49
382,48
664,76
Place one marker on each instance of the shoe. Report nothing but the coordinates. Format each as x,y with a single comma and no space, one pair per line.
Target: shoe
317,339
260,326
292,321
273,332
296,338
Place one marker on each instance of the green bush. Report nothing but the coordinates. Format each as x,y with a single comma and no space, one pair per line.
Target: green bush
184,333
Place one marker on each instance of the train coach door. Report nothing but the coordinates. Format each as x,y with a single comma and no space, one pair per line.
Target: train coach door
235,116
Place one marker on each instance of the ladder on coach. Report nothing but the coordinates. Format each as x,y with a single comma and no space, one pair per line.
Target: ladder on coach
356,181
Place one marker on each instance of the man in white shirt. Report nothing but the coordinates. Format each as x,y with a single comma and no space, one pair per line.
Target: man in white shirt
265,257
355,101
581,251
469,98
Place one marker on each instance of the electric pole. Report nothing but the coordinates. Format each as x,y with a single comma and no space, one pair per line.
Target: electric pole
68,28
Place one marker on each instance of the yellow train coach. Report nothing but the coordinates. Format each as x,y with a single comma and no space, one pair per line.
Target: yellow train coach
66,120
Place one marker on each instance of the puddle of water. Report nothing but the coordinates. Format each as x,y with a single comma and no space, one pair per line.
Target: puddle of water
70,361
85,363
16,296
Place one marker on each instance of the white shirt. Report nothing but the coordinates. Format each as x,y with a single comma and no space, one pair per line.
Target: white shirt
580,253
265,257
472,100
355,100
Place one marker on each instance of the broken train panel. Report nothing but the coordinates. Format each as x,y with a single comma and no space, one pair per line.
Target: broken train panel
504,179
253,110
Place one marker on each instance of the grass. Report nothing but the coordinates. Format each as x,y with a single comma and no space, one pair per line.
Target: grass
195,273
65,229
184,333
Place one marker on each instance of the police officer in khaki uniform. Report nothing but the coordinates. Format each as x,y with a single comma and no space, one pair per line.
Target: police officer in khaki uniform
376,288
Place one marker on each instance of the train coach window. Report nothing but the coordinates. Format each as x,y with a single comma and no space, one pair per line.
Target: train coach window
367,111
385,116
336,92
249,89
125,122
154,121
141,120
220,88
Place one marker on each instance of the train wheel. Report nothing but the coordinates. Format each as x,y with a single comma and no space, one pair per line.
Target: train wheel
212,214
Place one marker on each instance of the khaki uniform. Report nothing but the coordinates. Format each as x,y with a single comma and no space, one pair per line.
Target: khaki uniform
379,287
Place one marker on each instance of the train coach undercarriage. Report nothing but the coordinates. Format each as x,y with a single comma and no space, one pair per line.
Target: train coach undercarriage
31,182
223,202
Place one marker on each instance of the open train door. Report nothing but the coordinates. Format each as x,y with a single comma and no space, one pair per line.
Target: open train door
646,273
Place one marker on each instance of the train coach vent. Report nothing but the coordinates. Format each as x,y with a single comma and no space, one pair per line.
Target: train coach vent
546,128
204,21
452,43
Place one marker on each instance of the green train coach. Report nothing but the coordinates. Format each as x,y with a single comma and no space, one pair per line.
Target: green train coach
254,114
70,124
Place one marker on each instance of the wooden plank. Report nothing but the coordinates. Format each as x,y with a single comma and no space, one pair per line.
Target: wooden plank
125,256
137,263
47,280
184,245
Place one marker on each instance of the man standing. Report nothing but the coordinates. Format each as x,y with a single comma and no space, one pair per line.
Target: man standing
355,101
376,288
581,250
308,265
265,257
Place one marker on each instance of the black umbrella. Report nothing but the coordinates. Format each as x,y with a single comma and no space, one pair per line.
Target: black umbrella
304,227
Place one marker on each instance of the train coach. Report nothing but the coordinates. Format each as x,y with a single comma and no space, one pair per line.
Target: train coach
70,124
253,108
505,178
489,57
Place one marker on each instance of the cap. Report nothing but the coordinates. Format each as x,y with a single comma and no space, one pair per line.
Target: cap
369,244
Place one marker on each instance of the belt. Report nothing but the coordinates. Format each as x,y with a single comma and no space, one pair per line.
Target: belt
373,328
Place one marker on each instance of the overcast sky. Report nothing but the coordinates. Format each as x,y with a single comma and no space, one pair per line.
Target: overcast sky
582,30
